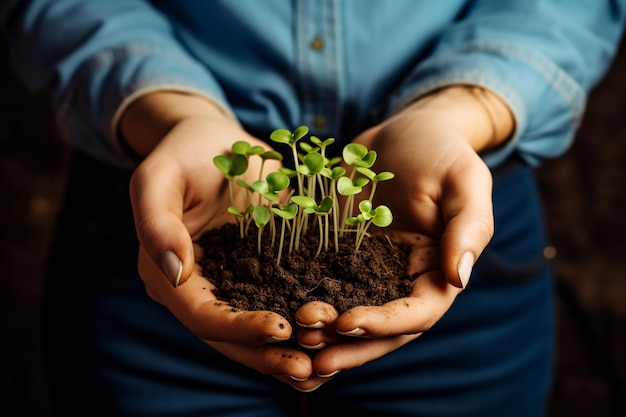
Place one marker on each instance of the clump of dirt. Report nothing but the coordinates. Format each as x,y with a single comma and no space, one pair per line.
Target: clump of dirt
247,280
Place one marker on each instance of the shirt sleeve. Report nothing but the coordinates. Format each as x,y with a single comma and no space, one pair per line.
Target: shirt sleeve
541,57
94,57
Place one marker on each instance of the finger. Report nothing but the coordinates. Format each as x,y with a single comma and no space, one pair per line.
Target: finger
157,200
307,385
316,315
286,364
216,320
424,259
468,215
196,306
334,359
430,298
316,327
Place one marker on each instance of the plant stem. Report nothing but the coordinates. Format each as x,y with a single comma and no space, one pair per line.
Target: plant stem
321,227
281,242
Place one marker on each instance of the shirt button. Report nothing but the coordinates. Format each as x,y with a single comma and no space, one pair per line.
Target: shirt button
319,122
317,43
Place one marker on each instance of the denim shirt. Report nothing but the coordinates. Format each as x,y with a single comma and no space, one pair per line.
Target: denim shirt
336,66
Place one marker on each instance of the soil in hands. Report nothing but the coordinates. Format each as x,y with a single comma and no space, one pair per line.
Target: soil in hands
247,280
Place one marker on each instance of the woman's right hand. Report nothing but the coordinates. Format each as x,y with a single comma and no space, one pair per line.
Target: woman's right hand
177,193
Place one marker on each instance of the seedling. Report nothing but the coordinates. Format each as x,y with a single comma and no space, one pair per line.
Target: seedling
286,213
319,181
380,216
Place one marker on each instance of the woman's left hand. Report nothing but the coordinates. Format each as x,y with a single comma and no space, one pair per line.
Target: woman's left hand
441,202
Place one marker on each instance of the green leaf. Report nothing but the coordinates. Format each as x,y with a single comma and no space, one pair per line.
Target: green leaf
368,160
281,136
303,169
260,187
384,176
223,163
354,221
383,217
361,182
261,216
288,212
337,172
325,205
314,162
306,147
277,156
367,172
365,206
333,174
277,181
304,201
288,172
353,153
231,167
256,150
239,164
234,211
240,147
345,187
322,144
300,132
244,184
271,196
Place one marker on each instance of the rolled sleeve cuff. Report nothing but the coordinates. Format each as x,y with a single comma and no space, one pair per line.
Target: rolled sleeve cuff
112,80
547,103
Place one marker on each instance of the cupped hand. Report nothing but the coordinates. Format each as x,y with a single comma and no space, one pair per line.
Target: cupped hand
441,189
177,193
441,201
366,333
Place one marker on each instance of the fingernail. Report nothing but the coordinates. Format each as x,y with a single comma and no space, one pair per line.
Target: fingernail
316,325
296,379
275,339
466,263
320,345
354,332
310,389
330,374
172,267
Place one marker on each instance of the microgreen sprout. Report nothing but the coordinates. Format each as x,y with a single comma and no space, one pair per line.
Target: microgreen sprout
310,206
231,167
319,182
286,213
261,216
380,216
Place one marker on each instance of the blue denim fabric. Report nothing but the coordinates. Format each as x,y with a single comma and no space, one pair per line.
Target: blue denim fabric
491,355
339,67
256,59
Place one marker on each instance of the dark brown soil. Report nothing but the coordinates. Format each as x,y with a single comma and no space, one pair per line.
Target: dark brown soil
373,275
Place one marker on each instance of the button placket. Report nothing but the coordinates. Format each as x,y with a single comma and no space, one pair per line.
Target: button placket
319,64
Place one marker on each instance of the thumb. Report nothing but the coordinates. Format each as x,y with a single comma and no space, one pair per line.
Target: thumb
469,225
157,202
462,243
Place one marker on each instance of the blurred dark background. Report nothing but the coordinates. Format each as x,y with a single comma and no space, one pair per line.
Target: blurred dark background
585,205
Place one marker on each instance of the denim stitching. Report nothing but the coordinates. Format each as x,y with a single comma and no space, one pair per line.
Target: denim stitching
556,77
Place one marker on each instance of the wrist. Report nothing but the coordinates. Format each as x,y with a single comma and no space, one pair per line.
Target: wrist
481,116
150,117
